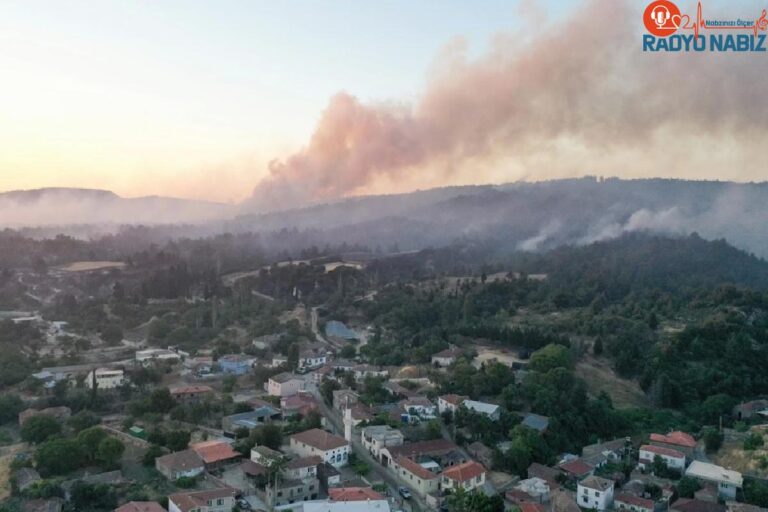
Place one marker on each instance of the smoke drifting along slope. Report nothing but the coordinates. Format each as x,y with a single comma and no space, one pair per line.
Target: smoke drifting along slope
573,98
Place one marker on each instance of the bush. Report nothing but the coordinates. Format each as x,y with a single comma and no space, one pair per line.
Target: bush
39,428
713,439
753,441
186,482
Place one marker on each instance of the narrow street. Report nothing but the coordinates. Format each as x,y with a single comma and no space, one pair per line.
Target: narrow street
416,503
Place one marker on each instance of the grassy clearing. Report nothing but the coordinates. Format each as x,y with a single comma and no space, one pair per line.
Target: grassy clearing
599,376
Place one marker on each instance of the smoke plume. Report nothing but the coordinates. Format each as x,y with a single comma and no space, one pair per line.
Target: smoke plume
573,98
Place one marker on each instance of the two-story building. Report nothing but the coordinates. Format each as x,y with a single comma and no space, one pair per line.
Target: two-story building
285,384
191,394
450,403
377,437
414,475
105,378
331,448
674,459
728,482
183,464
235,364
595,493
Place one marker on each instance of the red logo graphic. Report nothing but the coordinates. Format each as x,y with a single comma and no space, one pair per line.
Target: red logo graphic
661,18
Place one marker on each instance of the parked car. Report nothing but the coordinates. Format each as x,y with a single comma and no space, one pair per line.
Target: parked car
243,504
404,492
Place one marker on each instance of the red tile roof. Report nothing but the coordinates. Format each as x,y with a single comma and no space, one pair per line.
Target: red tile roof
415,468
304,462
577,467
215,451
320,439
464,472
677,438
354,494
140,506
253,468
631,499
454,399
433,447
187,501
532,507
661,450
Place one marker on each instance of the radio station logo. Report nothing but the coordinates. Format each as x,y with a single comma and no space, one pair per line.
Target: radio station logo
671,30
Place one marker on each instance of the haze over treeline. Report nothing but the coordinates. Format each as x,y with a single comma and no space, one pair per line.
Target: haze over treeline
515,217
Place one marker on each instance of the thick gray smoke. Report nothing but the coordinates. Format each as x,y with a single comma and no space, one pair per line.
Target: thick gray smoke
580,96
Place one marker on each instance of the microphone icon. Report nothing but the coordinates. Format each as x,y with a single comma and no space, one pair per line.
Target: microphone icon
660,15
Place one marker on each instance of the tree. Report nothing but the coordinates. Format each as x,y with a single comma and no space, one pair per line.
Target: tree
153,452
463,501
161,401
59,457
550,357
83,420
89,441
434,430
177,440
110,450
327,387
687,486
348,352
713,439
597,348
270,435
112,334
753,441
93,498
10,407
39,428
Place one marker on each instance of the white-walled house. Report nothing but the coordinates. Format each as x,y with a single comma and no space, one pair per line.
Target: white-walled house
377,437
213,500
332,449
449,403
285,384
492,411
674,459
595,492
468,476
106,378
728,481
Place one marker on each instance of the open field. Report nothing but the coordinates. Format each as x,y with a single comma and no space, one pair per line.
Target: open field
87,266
502,355
600,377
732,454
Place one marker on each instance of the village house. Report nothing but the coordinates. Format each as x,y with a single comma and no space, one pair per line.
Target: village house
609,451
450,403
420,407
265,456
747,410
677,440
349,494
215,454
377,437
491,411
105,378
151,355
468,476
632,503
533,489
300,484
443,450
188,395
550,474
186,463
362,371
213,500
279,360
417,477
284,384
577,469
312,358
728,481
332,449
694,505
481,453
674,459
595,493
301,403
140,506
446,357
235,364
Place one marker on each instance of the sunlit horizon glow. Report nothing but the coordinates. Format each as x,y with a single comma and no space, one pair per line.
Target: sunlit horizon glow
195,99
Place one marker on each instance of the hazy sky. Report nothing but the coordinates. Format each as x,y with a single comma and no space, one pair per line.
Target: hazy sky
194,99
